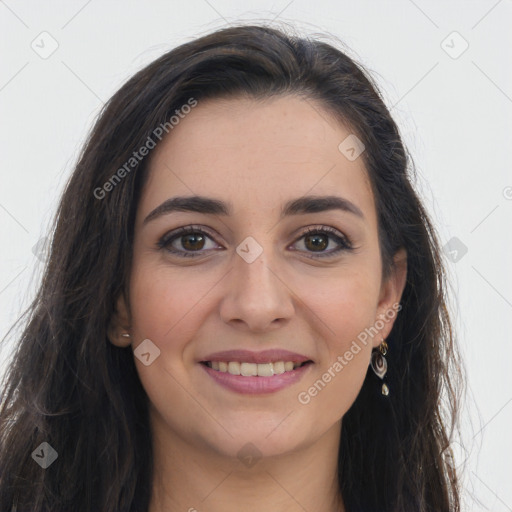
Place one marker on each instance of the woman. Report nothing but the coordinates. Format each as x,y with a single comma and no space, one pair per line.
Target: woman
244,305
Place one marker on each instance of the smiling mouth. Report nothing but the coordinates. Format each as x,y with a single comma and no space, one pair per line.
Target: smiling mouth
255,369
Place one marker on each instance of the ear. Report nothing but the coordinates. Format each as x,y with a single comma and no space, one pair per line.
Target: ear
391,294
120,324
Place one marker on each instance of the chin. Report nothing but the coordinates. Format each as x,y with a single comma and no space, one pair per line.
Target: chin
258,441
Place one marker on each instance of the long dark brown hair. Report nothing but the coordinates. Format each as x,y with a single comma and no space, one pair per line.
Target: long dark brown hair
67,385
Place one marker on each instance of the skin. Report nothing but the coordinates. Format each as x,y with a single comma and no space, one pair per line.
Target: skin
256,155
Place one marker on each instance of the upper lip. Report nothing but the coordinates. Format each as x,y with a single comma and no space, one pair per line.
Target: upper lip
265,356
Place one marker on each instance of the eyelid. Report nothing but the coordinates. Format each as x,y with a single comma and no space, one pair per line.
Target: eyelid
176,233
345,243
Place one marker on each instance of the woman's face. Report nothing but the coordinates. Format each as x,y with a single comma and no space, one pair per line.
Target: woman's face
252,279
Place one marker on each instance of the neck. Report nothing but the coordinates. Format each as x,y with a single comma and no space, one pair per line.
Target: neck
193,478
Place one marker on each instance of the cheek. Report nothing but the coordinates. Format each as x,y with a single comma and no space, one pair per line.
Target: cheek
346,305
347,309
163,302
338,379
165,307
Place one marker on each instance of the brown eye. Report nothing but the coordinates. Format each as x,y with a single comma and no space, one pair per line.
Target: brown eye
317,240
186,241
193,242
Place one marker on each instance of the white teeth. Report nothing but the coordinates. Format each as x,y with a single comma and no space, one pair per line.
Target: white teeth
265,370
253,369
278,367
248,369
234,367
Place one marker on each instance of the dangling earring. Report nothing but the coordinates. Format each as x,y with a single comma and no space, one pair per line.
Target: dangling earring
380,365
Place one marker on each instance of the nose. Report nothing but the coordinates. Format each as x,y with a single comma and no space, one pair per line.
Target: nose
257,297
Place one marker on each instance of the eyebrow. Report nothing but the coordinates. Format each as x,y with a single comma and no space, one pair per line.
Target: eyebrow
210,206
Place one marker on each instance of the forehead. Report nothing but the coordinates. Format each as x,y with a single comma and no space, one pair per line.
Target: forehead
256,152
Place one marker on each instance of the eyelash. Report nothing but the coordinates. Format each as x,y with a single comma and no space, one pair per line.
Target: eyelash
345,243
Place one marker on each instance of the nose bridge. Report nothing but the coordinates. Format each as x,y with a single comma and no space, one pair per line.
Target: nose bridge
256,295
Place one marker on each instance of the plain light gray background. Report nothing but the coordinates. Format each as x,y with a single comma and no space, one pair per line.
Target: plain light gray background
453,105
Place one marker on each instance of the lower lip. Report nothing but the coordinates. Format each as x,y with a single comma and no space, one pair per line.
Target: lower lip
257,385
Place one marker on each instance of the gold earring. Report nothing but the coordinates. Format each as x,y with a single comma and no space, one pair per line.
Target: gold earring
380,365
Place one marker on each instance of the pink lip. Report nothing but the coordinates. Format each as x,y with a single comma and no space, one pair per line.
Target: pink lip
256,385
265,356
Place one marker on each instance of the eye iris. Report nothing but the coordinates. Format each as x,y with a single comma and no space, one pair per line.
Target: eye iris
316,244
193,238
